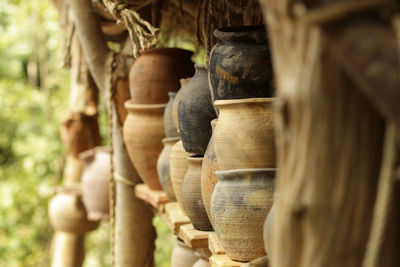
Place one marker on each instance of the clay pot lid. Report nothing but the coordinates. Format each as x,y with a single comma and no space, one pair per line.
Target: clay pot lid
129,105
252,33
171,140
229,174
227,102
168,51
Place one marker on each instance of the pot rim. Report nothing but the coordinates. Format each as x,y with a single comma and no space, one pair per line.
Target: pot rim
237,32
134,106
195,158
227,102
200,67
171,140
166,51
226,174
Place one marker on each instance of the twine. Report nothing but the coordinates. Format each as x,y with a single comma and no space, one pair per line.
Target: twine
142,34
123,180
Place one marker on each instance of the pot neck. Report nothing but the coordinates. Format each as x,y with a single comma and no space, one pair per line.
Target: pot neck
254,34
195,161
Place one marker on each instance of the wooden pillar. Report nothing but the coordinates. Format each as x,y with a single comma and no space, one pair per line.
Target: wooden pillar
68,250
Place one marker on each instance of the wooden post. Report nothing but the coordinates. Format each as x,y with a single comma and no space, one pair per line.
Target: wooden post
68,250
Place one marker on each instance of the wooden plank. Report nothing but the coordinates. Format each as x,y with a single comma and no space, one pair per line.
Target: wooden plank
214,245
223,261
192,237
153,197
175,217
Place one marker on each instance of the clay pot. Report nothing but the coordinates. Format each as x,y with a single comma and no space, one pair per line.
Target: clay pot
95,182
268,230
175,104
201,263
244,136
240,203
163,168
143,132
169,126
208,177
156,72
67,214
240,63
182,255
191,195
195,112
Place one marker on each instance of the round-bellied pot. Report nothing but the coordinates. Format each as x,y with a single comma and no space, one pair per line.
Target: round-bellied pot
163,167
244,136
178,168
195,112
156,72
143,133
182,255
67,214
240,63
169,126
240,203
208,177
191,195
176,100
268,230
95,182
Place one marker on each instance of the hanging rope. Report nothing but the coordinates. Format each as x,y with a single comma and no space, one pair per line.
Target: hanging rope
142,34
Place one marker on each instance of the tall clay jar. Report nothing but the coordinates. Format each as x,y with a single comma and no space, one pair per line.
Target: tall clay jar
143,133
195,112
244,135
169,125
182,255
163,167
240,63
95,182
176,101
240,203
208,177
178,169
191,195
156,72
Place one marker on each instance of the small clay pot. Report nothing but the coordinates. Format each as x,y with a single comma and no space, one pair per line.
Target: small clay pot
183,83
182,255
268,230
208,177
156,72
67,214
191,195
163,168
240,63
143,133
240,203
244,136
178,168
201,262
169,126
195,112
95,182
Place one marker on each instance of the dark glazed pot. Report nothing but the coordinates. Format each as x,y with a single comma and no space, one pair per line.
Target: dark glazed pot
169,126
195,112
156,72
240,63
163,167
191,195
240,203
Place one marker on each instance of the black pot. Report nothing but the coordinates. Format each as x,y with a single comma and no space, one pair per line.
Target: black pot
195,112
240,63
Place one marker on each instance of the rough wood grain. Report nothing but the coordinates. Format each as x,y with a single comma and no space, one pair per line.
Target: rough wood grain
214,245
192,237
223,261
154,197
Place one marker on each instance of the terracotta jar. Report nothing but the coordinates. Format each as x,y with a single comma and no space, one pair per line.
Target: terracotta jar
240,63
156,72
182,255
67,214
169,126
178,168
191,195
95,182
268,229
244,136
240,203
208,177
163,168
143,132
195,112
176,100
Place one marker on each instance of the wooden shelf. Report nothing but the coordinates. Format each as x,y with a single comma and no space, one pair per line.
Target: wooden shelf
214,245
153,197
175,217
223,261
192,237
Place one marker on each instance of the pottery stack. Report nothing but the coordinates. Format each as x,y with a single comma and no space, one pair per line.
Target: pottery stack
153,75
240,77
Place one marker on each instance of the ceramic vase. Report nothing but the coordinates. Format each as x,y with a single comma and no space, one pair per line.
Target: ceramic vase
240,203
169,126
143,133
244,136
156,72
183,83
163,167
182,255
191,195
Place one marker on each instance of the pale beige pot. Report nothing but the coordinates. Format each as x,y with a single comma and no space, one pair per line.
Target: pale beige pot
201,263
163,167
182,255
95,182
67,214
244,136
178,169
143,133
